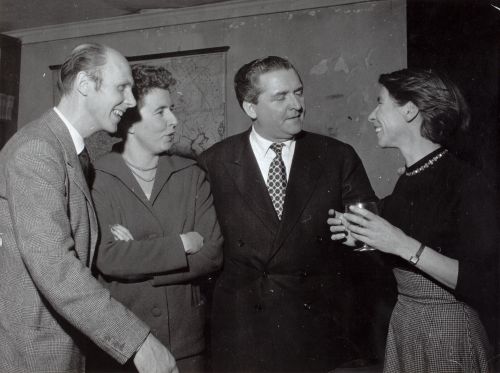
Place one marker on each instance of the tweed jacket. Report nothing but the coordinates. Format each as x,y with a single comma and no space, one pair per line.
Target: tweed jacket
281,299
49,299
152,275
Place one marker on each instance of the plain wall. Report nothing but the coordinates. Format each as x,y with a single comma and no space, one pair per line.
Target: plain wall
340,51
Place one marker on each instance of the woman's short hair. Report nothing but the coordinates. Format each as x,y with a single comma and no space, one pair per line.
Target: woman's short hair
85,57
246,79
439,100
146,78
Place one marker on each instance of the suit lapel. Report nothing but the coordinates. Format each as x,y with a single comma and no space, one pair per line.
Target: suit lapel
75,172
307,168
242,168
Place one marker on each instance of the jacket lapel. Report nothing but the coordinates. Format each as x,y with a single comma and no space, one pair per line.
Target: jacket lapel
307,168
75,172
168,165
113,164
242,168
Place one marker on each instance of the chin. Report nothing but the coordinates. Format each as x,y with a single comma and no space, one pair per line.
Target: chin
166,147
110,127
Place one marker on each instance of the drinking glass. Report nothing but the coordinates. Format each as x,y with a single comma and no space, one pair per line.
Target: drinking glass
367,205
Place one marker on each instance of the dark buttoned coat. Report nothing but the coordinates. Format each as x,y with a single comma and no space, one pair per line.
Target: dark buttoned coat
281,299
152,275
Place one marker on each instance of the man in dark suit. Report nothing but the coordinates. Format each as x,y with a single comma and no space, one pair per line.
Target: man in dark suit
281,300
49,299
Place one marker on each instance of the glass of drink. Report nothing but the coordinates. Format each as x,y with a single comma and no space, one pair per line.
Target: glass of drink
367,205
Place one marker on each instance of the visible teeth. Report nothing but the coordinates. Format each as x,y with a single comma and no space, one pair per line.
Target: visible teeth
118,112
378,129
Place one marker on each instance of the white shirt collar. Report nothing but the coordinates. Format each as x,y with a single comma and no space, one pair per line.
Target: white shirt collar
75,135
264,155
263,145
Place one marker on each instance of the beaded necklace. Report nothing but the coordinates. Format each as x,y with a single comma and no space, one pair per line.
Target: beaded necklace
427,164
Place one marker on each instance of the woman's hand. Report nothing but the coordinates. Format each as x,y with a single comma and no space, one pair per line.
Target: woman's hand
375,231
192,241
338,229
120,233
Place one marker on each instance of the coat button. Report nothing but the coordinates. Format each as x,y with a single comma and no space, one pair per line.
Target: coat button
319,238
265,274
156,311
240,243
307,306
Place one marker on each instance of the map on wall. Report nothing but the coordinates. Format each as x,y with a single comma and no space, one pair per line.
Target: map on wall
198,97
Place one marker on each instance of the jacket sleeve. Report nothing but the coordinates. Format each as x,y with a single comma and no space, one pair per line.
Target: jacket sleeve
38,195
119,259
209,258
355,182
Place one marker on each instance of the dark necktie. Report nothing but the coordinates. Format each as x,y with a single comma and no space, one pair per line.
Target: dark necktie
276,180
85,162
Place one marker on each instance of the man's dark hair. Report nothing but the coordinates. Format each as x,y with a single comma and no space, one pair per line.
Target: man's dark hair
246,79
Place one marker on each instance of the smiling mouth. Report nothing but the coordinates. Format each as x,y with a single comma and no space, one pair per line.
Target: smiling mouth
118,113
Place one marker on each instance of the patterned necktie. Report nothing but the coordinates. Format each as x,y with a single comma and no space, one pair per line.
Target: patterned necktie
85,162
276,179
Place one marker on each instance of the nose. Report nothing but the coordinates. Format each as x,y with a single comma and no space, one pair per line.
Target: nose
372,118
171,119
129,98
296,102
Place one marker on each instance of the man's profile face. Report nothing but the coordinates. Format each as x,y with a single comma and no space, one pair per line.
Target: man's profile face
107,103
279,111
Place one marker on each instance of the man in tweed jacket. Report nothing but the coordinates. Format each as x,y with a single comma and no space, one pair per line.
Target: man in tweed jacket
50,303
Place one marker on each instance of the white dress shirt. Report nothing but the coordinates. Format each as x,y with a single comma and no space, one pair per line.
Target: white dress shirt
264,155
75,135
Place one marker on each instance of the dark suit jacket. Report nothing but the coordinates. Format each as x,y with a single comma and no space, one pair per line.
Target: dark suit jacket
48,297
281,299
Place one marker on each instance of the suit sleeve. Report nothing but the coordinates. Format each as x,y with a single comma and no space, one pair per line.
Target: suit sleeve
355,182
38,201
209,258
118,259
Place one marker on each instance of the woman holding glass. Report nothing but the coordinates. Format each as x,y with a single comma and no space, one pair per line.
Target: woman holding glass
438,227
159,232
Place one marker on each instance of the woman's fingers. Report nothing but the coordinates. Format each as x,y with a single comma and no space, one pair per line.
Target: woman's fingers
350,219
121,233
335,221
362,212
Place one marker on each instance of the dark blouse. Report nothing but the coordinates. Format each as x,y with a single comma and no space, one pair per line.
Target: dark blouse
451,208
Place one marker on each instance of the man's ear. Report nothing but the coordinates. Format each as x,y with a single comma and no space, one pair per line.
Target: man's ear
410,111
83,83
249,109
